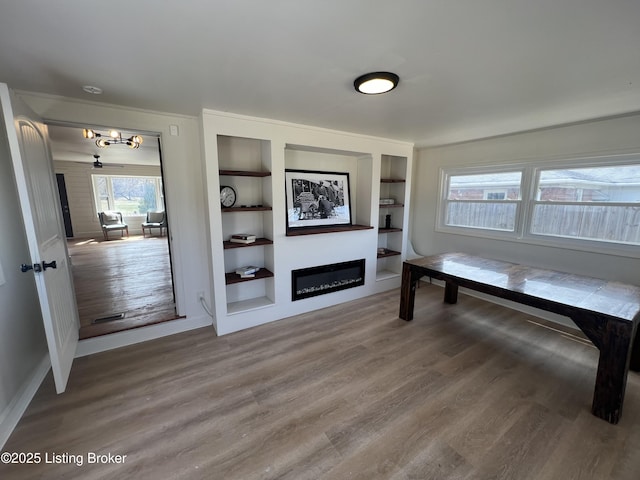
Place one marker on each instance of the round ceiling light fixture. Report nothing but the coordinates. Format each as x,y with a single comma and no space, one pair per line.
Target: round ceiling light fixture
376,83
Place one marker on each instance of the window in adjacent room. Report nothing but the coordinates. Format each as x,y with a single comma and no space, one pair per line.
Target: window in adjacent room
131,195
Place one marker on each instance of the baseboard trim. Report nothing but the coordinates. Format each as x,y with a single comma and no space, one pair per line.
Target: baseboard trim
13,412
103,343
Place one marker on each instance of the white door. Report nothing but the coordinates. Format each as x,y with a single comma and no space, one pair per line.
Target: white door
30,154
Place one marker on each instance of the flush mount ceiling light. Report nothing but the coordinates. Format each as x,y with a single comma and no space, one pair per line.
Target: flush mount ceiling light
114,137
376,83
93,90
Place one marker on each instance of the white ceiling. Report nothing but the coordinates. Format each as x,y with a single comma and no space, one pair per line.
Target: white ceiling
468,68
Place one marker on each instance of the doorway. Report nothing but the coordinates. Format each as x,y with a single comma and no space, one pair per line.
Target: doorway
123,281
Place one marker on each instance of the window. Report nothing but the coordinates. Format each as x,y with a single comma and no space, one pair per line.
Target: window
576,203
495,195
474,201
595,203
130,195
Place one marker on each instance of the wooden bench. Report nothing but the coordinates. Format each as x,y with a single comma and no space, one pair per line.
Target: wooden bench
607,312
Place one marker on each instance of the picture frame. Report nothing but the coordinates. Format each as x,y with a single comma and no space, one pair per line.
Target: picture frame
317,199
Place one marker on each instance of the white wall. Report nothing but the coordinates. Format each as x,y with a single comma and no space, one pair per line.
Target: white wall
618,135
23,348
82,207
182,166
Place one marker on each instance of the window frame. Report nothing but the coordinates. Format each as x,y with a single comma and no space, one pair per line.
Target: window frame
531,171
443,201
604,246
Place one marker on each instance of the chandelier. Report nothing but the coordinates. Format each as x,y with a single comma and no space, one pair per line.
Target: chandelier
114,137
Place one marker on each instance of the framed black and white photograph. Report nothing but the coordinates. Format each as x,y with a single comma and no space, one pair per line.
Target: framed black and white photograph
317,199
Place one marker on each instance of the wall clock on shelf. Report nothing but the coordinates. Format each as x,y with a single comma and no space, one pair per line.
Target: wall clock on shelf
227,196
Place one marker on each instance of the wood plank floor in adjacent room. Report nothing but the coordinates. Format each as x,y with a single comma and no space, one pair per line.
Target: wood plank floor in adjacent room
128,275
466,391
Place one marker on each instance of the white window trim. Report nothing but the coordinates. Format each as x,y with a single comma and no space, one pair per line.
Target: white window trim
447,173
530,175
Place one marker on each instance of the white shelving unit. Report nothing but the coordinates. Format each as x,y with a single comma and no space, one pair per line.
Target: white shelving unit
245,165
392,239
251,155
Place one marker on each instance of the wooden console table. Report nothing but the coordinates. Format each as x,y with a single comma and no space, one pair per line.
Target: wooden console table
607,312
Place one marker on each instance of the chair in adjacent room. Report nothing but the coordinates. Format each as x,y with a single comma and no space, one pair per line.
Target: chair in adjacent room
112,221
155,220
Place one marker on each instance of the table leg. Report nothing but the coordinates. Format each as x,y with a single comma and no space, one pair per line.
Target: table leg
634,364
450,292
613,366
407,292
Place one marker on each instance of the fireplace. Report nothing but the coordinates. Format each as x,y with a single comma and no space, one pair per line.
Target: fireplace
312,281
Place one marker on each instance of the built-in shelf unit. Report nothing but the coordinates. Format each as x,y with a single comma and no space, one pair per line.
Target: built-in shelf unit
251,155
393,217
245,165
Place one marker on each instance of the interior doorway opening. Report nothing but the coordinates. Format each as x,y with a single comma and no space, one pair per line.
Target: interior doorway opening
122,280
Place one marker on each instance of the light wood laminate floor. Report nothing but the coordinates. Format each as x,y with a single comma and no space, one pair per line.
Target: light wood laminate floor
128,275
466,391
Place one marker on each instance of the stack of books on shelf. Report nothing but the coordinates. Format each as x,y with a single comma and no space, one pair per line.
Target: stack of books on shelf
245,238
247,272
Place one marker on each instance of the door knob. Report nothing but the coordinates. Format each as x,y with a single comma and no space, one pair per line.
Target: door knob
46,265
